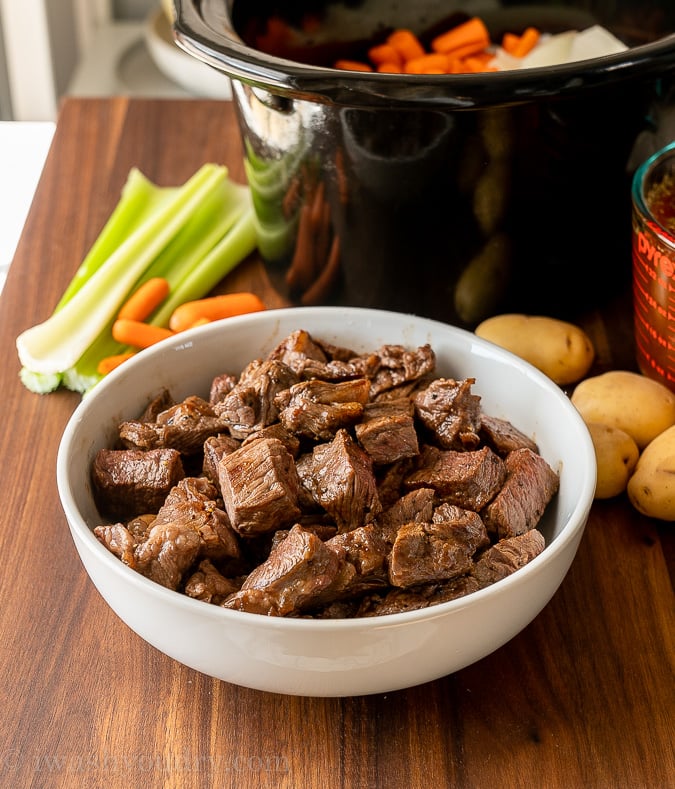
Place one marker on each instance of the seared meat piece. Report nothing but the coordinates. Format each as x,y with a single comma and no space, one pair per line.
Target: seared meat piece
450,413
390,480
259,485
215,447
118,540
297,351
397,600
298,569
129,482
339,476
530,484
437,551
192,504
501,436
468,479
399,365
250,405
366,551
188,424
221,386
387,431
417,505
160,403
318,409
136,434
507,556
277,430
208,584
167,553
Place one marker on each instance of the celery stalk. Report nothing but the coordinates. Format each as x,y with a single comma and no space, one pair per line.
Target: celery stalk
56,344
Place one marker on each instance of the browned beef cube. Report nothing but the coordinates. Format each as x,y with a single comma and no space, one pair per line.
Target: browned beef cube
188,424
297,351
417,505
250,405
530,484
277,430
443,549
168,551
468,479
129,482
192,504
119,541
208,584
259,485
221,386
318,409
339,476
160,403
507,556
365,549
399,365
450,412
397,600
135,434
501,436
216,447
387,431
292,577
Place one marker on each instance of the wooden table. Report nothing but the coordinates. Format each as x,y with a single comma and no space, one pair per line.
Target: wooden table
583,697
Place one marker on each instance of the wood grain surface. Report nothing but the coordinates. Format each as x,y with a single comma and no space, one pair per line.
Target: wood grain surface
583,697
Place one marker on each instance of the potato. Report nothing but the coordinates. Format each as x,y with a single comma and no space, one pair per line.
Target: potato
640,406
651,488
559,349
616,455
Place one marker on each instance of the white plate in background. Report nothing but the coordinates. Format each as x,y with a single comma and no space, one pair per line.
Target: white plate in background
183,69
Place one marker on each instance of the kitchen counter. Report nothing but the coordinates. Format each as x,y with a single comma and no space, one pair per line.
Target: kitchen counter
583,697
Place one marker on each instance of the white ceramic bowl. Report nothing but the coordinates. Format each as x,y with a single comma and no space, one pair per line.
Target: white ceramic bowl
330,657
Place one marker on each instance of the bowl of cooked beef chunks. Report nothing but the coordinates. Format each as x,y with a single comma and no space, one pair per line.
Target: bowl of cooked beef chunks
326,501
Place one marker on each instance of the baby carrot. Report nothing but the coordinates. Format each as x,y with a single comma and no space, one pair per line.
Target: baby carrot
109,363
526,42
146,298
406,43
435,62
473,32
389,68
137,333
510,42
384,53
214,308
352,65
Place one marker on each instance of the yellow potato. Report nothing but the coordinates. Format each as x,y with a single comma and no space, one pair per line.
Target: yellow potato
559,349
638,405
651,488
616,455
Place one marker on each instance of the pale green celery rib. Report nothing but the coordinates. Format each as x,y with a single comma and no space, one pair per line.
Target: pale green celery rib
211,245
56,344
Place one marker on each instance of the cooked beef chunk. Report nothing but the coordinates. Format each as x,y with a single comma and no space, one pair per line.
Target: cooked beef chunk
437,551
215,447
208,584
259,485
366,550
250,405
387,431
468,479
192,503
118,540
399,365
507,556
221,386
396,601
318,409
277,430
450,412
136,434
418,505
339,477
167,553
390,480
530,484
295,573
297,351
129,482
502,437
160,403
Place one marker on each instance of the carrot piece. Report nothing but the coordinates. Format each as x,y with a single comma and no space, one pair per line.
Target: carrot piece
109,363
435,62
352,65
471,32
472,48
146,298
137,333
214,308
527,42
406,43
384,53
389,68
510,42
